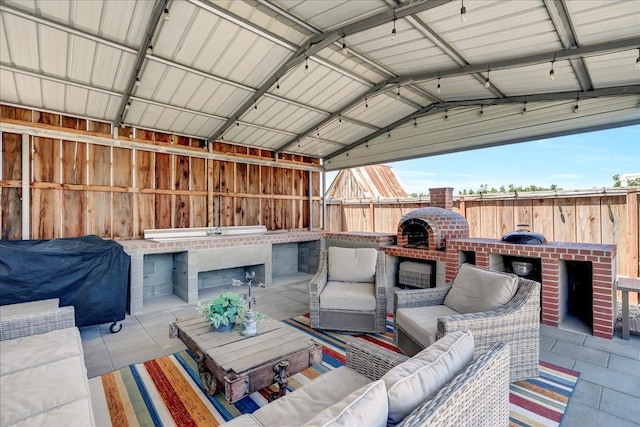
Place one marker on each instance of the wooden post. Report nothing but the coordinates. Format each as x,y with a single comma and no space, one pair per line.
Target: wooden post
26,192
372,214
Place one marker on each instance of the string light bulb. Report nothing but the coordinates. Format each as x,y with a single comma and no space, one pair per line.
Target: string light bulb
339,118
126,107
576,107
438,87
446,114
388,133
487,81
137,81
306,65
344,46
524,109
552,73
415,122
394,32
463,13
366,102
255,104
278,84
481,110
150,50
638,60
166,14
237,124
398,92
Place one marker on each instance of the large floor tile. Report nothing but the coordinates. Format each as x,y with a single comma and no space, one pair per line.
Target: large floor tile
557,359
561,334
578,352
621,405
629,384
580,415
587,393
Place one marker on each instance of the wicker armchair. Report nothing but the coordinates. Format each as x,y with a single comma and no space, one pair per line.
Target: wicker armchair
479,396
516,323
327,316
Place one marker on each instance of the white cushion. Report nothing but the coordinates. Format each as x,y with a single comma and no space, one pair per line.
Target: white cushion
352,264
418,379
348,296
421,323
366,406
298,407
475,289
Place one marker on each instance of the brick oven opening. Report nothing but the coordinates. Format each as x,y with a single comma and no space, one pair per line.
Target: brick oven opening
417,236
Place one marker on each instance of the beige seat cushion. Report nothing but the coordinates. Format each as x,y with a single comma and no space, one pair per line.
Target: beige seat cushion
366,406
297,408
352,264
421,323
348,296
418,379
475,289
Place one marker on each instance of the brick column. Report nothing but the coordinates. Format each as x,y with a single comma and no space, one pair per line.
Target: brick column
550,298
441,197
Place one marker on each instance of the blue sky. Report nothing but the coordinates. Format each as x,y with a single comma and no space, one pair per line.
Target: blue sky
573,162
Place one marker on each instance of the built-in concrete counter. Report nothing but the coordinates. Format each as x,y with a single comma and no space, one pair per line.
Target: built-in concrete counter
180,267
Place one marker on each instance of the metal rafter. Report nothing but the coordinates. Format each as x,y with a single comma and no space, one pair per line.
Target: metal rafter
566,32
321,41
154,21
433,108
421,26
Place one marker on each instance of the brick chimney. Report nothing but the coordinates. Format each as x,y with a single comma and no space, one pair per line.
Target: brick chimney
441,197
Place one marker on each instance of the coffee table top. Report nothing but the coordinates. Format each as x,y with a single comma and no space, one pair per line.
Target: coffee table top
237,353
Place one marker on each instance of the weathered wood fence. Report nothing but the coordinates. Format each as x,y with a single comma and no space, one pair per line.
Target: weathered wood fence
608,215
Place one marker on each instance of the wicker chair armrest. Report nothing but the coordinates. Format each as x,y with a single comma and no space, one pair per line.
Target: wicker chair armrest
381,274
37,323
477,396
372,361
319,280
420,297
490,326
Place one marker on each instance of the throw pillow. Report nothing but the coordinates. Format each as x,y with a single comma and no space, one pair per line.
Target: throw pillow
352,264
418,379
366,406
475,289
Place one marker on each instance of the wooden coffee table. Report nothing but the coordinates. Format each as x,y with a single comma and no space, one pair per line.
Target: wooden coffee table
242,364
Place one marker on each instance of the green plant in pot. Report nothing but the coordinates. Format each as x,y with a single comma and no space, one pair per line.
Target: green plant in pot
222,311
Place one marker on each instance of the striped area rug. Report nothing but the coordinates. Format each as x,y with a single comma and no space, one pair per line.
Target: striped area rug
167,391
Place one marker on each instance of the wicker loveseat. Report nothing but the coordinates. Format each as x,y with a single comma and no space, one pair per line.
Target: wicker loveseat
441,386
422,317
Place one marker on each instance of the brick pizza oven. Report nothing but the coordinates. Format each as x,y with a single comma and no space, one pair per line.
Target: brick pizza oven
430,228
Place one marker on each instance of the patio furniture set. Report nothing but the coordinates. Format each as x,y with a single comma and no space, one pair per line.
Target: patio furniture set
463,343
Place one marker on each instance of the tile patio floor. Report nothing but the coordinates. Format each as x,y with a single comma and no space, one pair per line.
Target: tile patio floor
607,394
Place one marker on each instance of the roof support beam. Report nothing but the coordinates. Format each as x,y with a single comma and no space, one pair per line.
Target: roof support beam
321,41
154,21
564,27
596,49
434,108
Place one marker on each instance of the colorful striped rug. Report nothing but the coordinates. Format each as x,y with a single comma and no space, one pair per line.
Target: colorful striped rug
167,391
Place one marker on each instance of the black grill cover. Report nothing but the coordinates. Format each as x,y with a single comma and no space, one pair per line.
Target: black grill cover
88,272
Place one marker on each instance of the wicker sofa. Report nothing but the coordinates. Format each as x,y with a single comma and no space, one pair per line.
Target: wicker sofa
43,378
422,317
442,386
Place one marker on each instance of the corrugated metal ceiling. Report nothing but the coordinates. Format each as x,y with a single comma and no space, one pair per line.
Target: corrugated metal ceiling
273,74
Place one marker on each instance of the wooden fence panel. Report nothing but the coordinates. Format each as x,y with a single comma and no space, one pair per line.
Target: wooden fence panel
564,220
122,215
543,217
122,177
74,162
99,213
162,210
588,220
183,215
613,229
74,213
145,204
198,175
522,213
505,210
198,211
99,165
183,172
46,163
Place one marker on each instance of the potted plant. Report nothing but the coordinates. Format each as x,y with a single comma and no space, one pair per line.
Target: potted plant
222,311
